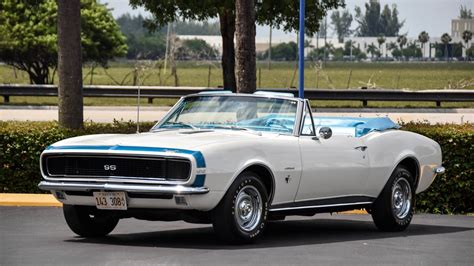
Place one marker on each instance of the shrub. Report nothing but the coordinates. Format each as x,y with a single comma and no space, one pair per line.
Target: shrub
452,192
21,144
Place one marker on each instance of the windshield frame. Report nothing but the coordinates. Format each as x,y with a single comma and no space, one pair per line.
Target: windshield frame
296,128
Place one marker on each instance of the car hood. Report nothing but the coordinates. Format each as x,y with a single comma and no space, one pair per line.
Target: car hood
178,139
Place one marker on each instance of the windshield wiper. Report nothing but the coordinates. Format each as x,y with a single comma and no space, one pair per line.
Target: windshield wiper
238,128
182,124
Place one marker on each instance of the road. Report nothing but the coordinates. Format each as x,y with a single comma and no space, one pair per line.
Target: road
39,236
109,113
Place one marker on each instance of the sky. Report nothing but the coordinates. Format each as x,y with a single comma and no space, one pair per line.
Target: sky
433,16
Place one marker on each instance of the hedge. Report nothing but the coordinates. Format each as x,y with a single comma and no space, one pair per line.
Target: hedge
453,192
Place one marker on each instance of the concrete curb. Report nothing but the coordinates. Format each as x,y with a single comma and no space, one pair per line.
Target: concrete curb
35,200
48,200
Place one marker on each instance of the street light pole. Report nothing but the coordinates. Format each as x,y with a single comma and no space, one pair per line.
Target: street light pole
301,51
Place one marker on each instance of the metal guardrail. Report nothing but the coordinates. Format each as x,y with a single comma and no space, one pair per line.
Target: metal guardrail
151,92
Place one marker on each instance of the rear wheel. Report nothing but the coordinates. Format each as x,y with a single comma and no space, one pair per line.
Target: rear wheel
241,215
393,209
85,222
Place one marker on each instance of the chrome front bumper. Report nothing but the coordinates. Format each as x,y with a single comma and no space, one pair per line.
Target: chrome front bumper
83,186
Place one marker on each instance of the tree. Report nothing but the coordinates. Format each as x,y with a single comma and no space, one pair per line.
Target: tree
446,39
465,13
467,36
351,50
374,22
245,46
323,29
402,40
143,44
411,50
281,14
70,105
381,40
196,49
342,24
29,36
392,46
372,49
423,37
470,52
283,51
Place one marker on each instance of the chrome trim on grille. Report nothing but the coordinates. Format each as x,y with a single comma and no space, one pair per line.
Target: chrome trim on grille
77,186
116,179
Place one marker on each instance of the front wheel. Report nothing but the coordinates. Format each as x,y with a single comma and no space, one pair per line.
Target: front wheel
241,215
393,209
85,222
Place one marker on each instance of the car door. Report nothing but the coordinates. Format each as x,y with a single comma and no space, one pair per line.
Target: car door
333,167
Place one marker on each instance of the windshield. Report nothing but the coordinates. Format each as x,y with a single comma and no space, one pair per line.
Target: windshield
233,113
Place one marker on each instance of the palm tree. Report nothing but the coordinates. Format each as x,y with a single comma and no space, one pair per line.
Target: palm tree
423,37
70,101
381,40
467,36
372,49
390,47
402,40
446,39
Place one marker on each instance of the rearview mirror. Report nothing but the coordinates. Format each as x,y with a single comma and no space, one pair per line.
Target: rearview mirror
325,132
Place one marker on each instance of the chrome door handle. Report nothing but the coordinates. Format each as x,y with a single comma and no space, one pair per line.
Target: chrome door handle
361,148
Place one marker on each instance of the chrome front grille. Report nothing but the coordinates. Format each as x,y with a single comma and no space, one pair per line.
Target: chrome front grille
100,166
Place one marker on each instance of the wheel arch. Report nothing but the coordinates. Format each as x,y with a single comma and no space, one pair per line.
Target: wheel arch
265,175
413,165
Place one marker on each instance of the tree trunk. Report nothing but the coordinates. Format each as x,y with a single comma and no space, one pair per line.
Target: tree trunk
227,24
245,48
70,102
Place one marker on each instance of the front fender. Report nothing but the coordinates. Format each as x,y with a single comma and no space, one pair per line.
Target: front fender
224,163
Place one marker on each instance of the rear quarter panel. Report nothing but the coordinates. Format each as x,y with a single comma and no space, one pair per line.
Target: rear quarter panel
387,149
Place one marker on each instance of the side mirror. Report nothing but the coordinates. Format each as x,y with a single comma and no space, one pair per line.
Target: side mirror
325,132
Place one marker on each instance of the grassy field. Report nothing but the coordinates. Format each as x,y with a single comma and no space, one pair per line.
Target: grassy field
333,75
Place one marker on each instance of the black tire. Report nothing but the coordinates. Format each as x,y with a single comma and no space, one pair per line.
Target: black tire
85,222
393,209
227,224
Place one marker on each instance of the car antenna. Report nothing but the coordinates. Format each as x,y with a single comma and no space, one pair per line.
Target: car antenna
138,99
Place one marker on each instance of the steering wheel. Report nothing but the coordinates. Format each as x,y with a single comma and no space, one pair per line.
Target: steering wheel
277,122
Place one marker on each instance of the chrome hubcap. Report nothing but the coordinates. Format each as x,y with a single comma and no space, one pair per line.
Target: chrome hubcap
401,198
248,208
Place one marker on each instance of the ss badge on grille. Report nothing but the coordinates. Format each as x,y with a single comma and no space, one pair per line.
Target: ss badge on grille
111,167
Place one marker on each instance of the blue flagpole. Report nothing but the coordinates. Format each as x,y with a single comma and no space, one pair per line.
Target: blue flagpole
301,52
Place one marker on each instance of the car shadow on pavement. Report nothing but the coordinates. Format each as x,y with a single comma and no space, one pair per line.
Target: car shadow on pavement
278,234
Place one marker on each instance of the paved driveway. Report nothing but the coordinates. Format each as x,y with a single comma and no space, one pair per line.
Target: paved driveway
39,236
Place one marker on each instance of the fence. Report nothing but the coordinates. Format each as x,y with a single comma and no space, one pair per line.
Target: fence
151,92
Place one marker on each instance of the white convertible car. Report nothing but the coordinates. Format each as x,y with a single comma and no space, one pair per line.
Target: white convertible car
238,161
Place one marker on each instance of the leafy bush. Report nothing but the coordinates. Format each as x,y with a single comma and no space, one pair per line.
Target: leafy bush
452,192
21,144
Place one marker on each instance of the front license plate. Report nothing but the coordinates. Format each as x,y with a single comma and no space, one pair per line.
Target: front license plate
110,200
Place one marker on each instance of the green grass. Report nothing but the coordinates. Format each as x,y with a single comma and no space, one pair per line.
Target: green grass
334,75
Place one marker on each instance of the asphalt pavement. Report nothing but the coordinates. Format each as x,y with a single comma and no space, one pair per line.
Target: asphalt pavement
39,236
